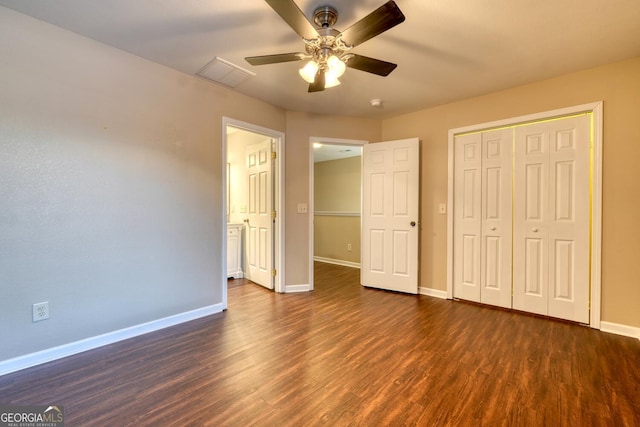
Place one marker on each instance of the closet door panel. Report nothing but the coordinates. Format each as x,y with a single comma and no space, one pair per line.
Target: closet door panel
530,230
467,217
551,218
569,200
496,218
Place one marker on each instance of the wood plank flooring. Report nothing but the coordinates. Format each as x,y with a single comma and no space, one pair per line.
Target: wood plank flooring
346,355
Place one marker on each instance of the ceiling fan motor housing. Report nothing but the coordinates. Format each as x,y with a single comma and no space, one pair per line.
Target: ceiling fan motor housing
327,44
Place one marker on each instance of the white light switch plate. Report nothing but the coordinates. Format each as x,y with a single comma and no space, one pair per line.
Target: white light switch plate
442,208
302,208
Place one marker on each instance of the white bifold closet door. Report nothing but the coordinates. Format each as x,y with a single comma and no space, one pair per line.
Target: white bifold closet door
482,207
521,217
551,218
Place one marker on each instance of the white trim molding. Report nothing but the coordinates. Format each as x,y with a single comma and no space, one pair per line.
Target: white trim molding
430,292
596,109
618,329
335,213
65,350
290,289
337,262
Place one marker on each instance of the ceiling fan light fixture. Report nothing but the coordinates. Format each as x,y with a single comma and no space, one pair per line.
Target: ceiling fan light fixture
330,80
336,66
308,72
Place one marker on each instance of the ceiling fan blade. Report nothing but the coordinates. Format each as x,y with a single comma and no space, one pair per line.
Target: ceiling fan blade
293,16
274,59
318,82
370,65
377,22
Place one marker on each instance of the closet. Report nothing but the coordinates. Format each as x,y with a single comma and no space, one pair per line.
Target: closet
521,223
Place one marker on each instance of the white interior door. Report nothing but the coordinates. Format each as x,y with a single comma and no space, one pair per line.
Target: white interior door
390,214
259,223
551,218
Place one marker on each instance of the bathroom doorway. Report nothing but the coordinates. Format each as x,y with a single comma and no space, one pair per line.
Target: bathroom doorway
253,204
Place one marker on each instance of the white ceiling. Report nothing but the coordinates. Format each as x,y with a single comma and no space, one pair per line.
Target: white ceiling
323,152
445,50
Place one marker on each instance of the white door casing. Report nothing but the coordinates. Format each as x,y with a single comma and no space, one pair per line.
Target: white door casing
552,218
259,223
390,215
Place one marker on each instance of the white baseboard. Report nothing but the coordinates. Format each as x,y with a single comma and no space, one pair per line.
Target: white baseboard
432,292
55,353
297,288
618,329
337,262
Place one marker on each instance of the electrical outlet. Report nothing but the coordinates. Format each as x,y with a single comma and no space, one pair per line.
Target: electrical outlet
349,247
41,311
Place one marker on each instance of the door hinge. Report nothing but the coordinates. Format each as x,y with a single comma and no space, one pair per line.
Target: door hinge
273,155
273,272
273,214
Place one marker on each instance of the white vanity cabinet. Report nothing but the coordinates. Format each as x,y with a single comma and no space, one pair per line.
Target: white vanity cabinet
234,251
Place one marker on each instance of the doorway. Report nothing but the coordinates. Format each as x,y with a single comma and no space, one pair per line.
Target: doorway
334,202
389,213
253,204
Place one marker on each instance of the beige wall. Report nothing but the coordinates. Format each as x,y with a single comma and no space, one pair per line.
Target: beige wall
337,191
336,185
333,233
618,85
300,127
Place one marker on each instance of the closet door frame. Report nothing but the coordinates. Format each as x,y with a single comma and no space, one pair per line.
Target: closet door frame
595,109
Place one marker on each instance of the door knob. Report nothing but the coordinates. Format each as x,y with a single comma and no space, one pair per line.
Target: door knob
492,228
413,223
535,230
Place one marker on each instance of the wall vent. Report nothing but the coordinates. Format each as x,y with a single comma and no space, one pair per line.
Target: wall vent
224,72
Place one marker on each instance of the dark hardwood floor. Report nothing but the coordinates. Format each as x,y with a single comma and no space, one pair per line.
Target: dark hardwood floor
346,355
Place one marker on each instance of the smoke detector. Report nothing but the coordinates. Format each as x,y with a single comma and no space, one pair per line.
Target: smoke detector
376,103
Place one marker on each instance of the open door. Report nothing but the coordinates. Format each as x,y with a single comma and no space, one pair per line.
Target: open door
259,222
390,214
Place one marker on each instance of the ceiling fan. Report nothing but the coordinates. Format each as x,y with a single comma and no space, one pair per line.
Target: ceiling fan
329,49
